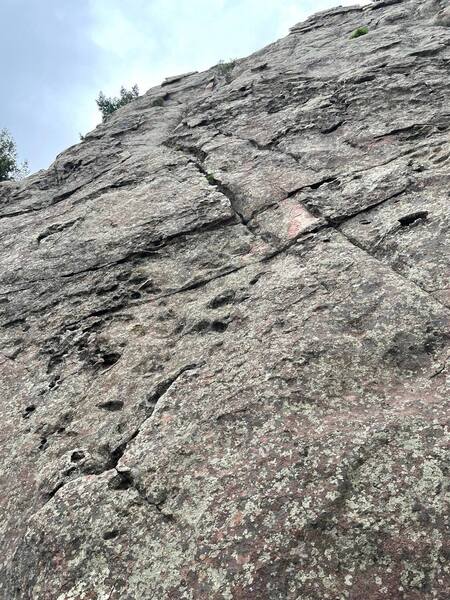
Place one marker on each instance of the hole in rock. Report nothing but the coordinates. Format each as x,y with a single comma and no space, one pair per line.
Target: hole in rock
110,535
111,405
149,286
28,411
256,279
55,489
69,471
122,481
219,326
54,382
413,218
318,184
138,278
222,299
123,276
110,358
116,455
77,455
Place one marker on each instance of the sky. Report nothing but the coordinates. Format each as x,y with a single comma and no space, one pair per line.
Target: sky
58,54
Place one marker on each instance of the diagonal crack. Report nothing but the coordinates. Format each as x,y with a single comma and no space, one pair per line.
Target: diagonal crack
156,245
344,218
388,266
57,198
197,157
225,191
125,479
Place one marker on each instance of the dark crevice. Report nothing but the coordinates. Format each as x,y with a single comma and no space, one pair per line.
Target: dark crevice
271,146
108,359
439,371
124,480
116,454
52,493
191,151
336,222
112,311
155,246
225,191
14,323
409,132
29,410
77,455
111,405
124,476
198,157
206,325
270,256
163,386
222,299
110,535
60,197
125,183
56,228
199,284
21,212
332,128
318,184
413,218
310,186
341,219
313,186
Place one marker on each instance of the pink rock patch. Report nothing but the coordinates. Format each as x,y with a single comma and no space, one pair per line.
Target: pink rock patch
300,220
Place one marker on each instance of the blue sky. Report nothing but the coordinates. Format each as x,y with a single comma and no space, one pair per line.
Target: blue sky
61,53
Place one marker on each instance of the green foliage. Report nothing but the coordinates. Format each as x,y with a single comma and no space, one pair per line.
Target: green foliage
359,32
9,167
210,178
224,69
109,105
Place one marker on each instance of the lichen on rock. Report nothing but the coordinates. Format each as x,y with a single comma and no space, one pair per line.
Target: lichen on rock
224,332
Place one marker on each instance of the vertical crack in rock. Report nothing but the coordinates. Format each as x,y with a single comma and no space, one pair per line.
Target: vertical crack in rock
197,157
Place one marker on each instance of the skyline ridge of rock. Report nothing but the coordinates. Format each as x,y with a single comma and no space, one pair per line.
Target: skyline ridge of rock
224,331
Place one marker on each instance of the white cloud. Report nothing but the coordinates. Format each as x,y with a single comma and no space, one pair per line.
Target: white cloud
144,41
65,54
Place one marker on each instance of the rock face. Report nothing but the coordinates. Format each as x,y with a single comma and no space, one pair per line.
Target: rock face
224,320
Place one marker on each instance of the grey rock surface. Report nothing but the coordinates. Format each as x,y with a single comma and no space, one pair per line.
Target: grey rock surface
224,331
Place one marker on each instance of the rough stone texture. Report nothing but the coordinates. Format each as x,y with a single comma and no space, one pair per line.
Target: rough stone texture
224,320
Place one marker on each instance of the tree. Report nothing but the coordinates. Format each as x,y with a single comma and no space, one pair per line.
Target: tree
109,105
9,167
